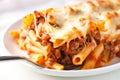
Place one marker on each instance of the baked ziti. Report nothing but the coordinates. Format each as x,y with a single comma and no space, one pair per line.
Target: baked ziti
86,35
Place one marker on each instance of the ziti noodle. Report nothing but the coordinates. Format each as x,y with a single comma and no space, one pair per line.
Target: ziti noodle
86,35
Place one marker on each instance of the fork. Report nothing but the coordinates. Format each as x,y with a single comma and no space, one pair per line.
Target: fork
5,58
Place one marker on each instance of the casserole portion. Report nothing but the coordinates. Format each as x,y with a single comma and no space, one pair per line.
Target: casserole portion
86,34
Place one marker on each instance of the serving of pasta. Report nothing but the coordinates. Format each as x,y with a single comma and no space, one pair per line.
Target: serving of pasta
85,35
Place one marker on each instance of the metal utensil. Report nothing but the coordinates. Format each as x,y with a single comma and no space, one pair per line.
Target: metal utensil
5,58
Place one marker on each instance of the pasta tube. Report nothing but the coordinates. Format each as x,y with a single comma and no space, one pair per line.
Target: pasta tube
91,60
37,58
81,56
54,65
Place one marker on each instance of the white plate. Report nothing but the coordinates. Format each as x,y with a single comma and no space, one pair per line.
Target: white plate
11,47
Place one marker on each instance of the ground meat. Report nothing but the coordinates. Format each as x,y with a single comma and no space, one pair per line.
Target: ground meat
115,48
39,17
88,39
96,35
74,46
118,54
65,59
118,27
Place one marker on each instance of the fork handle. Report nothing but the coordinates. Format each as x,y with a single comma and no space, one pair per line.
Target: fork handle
2,58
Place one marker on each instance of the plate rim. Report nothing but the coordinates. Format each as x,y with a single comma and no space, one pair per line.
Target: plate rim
64,73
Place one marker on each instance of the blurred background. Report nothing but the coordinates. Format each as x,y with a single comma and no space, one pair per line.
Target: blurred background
11,10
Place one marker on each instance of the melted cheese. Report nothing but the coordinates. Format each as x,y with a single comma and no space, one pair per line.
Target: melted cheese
79,16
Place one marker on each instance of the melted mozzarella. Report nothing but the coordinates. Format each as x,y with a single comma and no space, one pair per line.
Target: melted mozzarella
78,16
